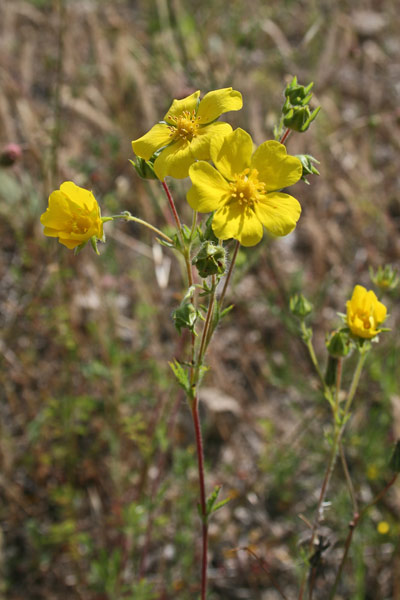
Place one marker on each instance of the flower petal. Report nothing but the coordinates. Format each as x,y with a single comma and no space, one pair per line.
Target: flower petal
174,160
380,312
217,102
70,244
231,154
275,167
50,232
209,188
358,298
157,137
58,211
78,196
200,144
235,221
278,212
179,106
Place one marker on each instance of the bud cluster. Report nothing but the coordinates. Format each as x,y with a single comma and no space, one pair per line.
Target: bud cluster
296,111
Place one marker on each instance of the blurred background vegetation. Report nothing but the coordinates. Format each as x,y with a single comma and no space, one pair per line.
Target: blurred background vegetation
98,480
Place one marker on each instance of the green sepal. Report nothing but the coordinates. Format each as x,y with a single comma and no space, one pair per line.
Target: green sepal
308,162
207,233
144,168
79,248
93,241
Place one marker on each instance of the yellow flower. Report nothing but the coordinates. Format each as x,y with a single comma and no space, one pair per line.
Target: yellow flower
73,216
244,187
186,132
383,527
365,313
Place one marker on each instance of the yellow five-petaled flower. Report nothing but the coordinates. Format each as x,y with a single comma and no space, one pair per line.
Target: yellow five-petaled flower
243,188
73,216
365,313
186,132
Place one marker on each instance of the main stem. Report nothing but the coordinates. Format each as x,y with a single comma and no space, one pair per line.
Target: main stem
203,506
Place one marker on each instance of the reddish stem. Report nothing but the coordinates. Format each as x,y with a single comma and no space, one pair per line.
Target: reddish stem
285,136
203,507
172,206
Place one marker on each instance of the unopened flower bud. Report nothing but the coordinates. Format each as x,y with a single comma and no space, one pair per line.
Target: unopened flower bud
299,118
299,306
339,344
298,94
386,278
10,154
185,316
210,260
144,168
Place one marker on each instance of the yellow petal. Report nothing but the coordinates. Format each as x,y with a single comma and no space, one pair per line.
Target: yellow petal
358,298
156,138
179,106
275,167
81,197
217,102
51,232
71,244
209,188
231,154
58,211
380,312
175,160
278,212
235,221
200,144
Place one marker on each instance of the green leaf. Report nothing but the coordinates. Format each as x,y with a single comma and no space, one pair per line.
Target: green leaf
211,505
181,377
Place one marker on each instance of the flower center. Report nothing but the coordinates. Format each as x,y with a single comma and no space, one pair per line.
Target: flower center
80,224
185,126
367,319
246,188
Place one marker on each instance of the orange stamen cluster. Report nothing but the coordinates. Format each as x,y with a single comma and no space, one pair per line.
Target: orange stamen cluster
184,126
246,189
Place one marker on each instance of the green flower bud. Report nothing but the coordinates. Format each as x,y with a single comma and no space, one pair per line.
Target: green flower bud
394,463
299,306
299,118
386,278
144,168
185,317
210,260
339,344
298,94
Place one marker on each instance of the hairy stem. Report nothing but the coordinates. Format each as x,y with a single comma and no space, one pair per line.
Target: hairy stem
229,274
127,217
203,506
